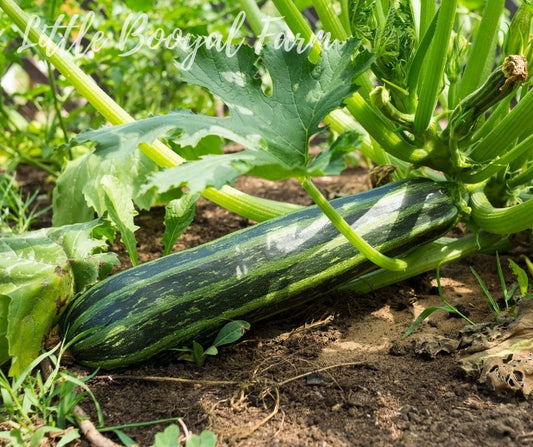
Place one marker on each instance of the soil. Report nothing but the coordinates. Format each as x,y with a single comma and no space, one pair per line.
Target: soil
335,373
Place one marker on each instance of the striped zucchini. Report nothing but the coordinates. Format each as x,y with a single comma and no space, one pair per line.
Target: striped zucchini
251,274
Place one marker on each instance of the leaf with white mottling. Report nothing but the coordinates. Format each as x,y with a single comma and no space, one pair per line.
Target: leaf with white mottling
40,271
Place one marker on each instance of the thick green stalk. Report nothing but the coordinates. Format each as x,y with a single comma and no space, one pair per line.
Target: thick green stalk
516,124
496,115
330,21
380,131
255,208
481,55
427,12
501,83
433,67
415,66
500,163
339,121
345,229
523,178
380,14
240,203
297,24
518,36
381,100
508,220
253,15
345,16
430,257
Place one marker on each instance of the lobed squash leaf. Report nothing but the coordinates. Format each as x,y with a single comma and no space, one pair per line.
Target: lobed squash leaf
80,183
273,126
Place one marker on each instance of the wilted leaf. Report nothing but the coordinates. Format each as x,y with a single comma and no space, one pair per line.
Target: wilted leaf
37,281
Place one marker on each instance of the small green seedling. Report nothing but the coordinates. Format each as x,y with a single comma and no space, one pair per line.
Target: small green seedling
447,307
230,333
171,438
509,298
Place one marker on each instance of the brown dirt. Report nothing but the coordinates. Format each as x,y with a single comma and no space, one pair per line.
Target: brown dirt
368,386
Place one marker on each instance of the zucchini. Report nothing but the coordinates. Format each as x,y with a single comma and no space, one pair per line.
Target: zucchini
252,274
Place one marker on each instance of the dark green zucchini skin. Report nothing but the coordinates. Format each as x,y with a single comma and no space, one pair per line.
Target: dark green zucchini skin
251,274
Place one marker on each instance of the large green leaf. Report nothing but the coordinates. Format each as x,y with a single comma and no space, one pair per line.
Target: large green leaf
276,101
40,271
301,93
275,124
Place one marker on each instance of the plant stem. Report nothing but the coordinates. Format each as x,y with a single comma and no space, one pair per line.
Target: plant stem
431,256
518,122
329,19
508,220
255,208
345,16
380,131
380,14
525,177
241,203
427,12
496,115
253,15
298,26
415,67
500,163
481,54
364,248
433,67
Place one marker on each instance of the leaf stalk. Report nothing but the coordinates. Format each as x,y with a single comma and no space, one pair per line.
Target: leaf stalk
347,231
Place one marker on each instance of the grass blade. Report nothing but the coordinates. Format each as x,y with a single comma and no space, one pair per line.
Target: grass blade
490,298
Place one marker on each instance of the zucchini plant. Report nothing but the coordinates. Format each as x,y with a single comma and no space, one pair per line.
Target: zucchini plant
424,86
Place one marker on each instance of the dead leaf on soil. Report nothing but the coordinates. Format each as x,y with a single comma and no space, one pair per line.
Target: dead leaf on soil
503,354
432,345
